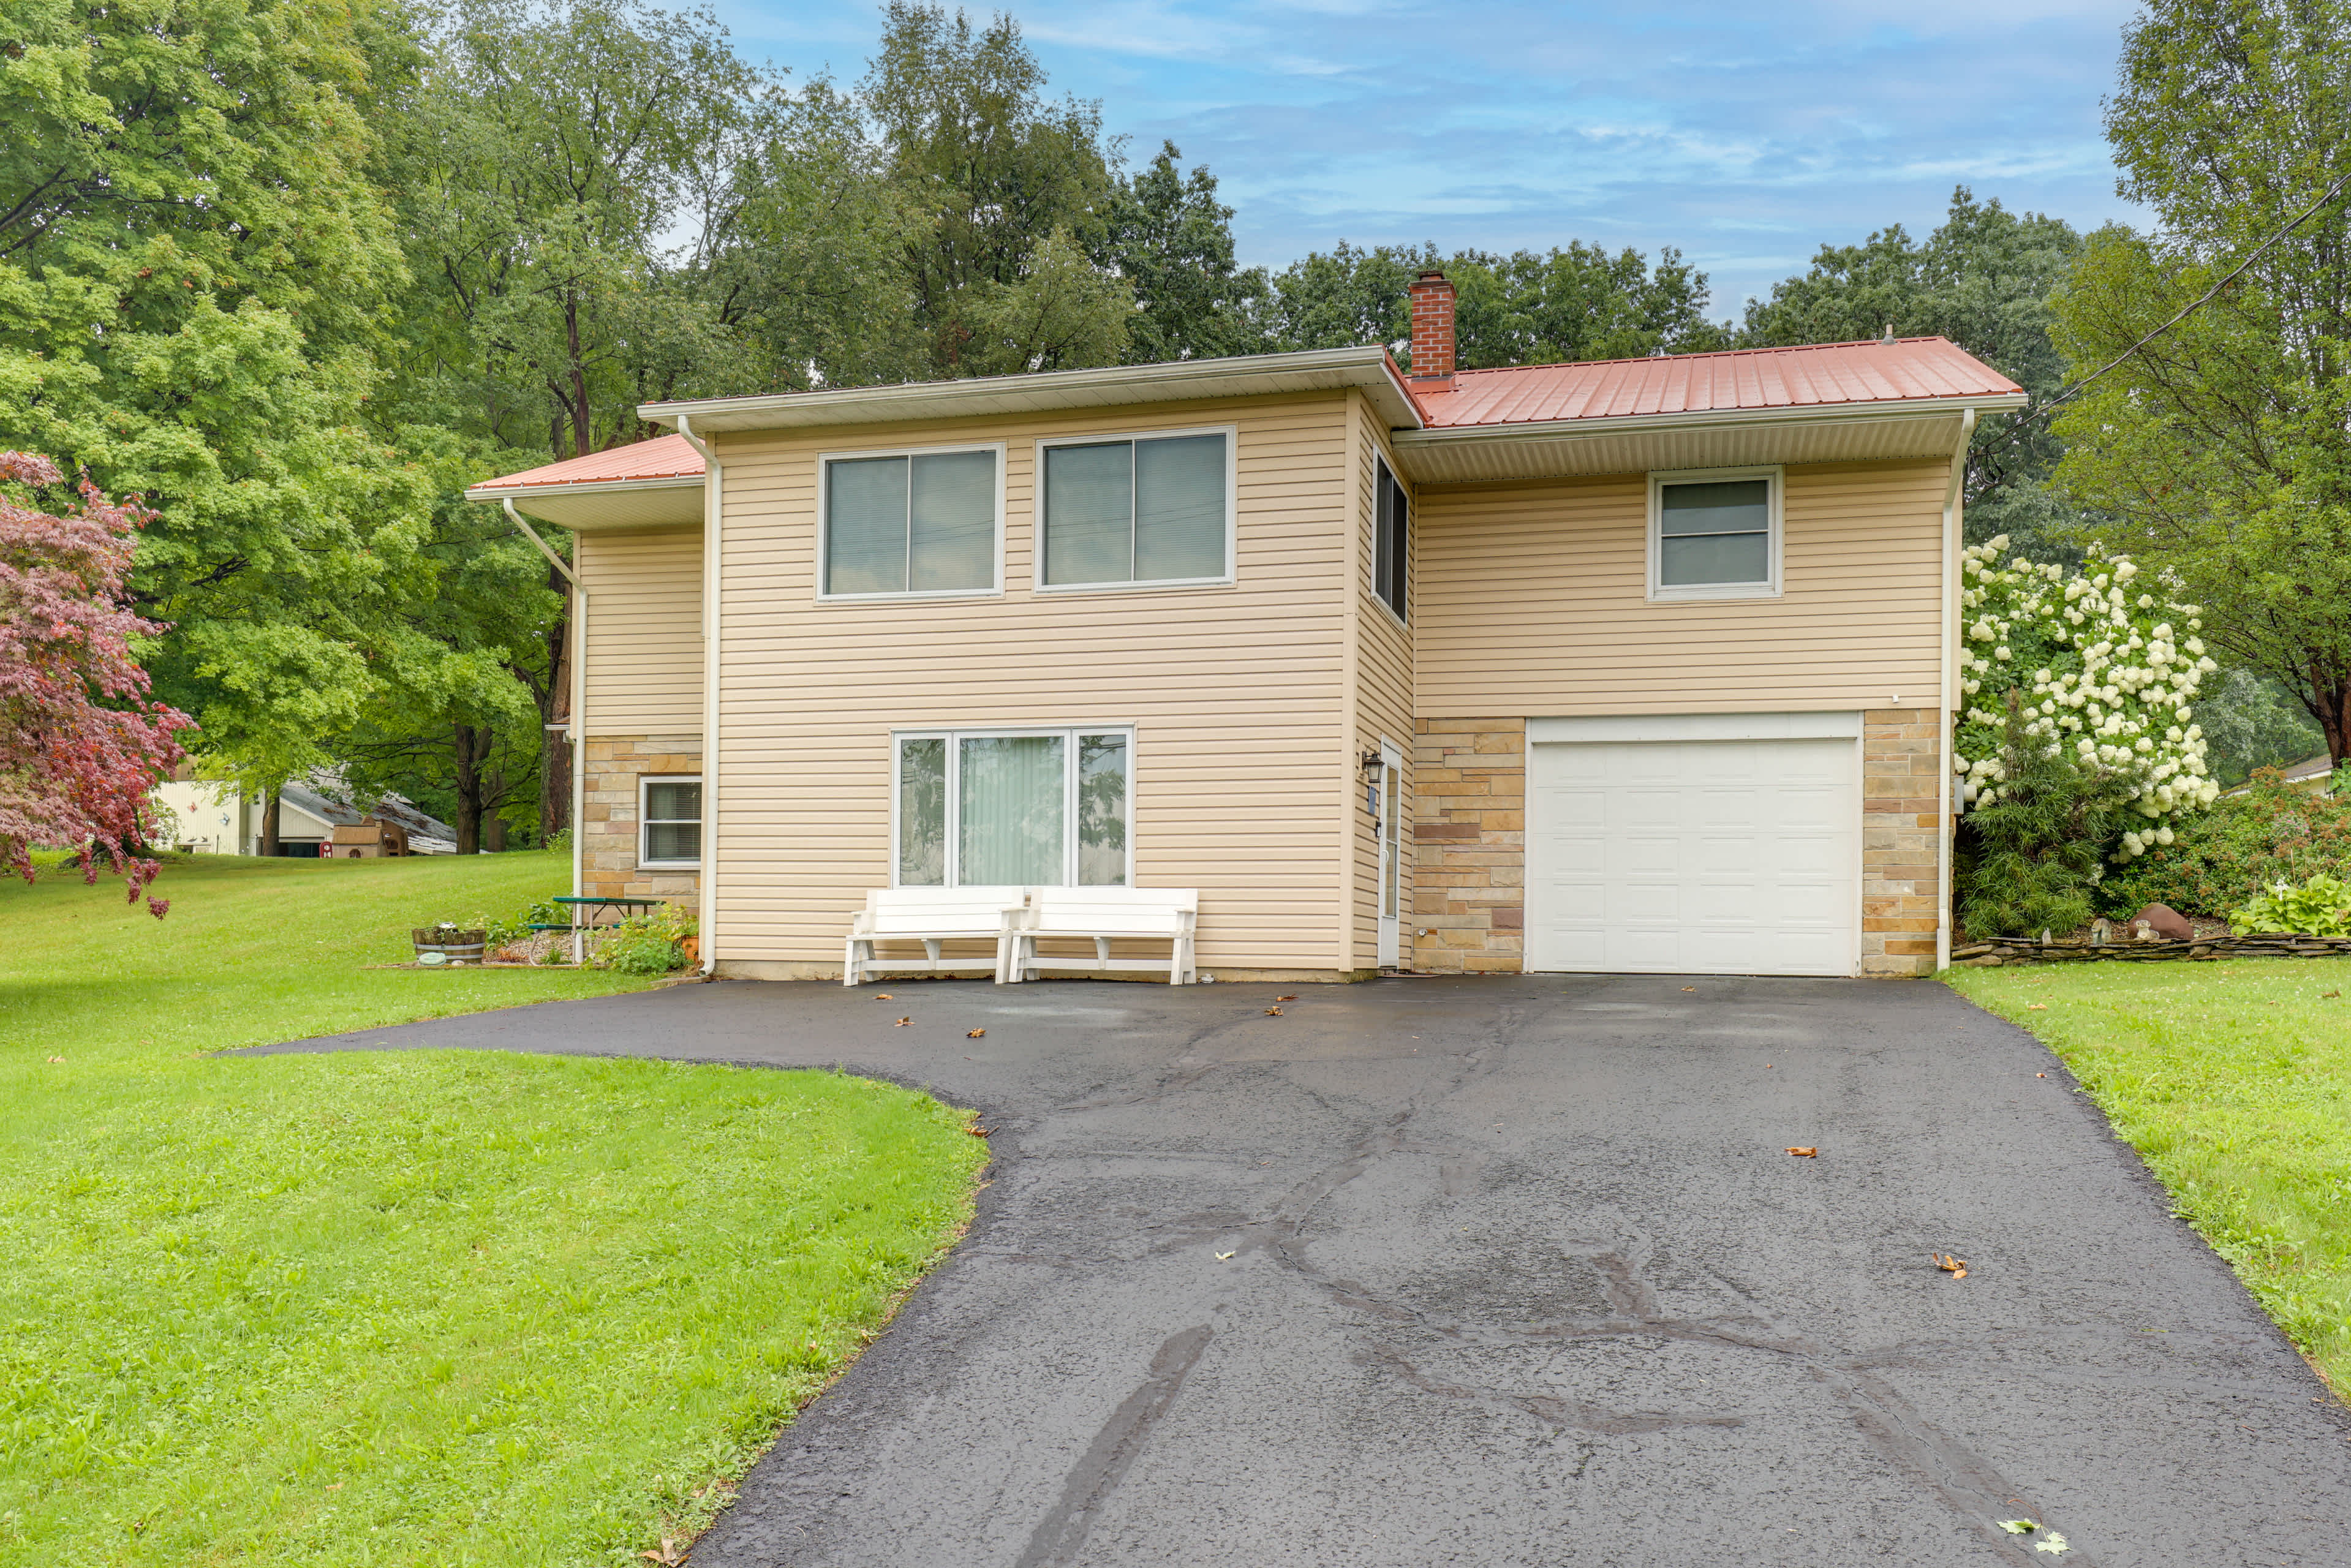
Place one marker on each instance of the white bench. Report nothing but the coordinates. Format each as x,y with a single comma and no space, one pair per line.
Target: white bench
929,915
1107,915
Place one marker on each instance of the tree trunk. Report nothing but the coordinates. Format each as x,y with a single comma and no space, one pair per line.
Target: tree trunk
269,825
473,749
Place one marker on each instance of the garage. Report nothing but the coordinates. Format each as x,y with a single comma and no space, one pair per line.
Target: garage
1695,844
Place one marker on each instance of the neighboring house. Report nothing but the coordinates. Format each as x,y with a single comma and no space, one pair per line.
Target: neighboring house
1633,665
215,819
2312,775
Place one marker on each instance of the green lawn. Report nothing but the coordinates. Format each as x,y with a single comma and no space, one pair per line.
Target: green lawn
2234,1079
430,1308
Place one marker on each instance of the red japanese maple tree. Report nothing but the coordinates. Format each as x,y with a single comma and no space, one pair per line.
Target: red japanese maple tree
81,745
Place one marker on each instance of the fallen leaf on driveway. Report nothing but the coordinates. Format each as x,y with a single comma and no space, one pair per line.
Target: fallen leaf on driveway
1273,1012
1689,988
1221,1257
902,1023
981,1132
2018,1526
883,996
973,1033
1806,1150
2051,1543
1292,997
1957,1268
2041,1075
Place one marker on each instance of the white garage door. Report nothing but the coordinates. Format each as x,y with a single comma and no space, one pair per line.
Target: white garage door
1695,856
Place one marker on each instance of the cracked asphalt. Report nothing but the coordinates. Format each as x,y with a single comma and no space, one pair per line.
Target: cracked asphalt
1512,1270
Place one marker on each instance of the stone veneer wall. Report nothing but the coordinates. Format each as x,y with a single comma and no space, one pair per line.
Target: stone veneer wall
1905,784
609,829
1469,844
1469,841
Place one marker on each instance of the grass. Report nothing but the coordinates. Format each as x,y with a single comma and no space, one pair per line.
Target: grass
445,1308
2233,1079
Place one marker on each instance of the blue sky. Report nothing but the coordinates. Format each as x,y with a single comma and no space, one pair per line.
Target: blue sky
1746,135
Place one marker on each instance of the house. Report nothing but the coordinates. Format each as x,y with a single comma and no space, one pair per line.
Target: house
1633,665
214,819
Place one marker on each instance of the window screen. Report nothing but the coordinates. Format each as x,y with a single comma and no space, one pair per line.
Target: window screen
1391,539
923,524
1136,511
1715,532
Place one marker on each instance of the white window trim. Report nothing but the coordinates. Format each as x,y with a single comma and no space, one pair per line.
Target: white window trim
1231,433
644,824
953,803
1661,594
824,462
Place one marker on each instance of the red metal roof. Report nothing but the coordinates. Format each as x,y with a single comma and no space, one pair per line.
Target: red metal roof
1814,376
663,458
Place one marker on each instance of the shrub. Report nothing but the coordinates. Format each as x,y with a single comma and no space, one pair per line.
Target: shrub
2225,857
2081,663
648,944
2036,842
2319,907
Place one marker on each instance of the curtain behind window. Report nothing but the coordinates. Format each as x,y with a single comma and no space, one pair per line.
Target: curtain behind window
1011,799
1179,508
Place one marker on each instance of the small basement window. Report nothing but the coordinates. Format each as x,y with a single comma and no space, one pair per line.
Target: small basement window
1715,534
669,823
1151,511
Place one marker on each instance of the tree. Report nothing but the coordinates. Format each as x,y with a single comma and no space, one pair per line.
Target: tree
196,269
81,747
1172,239
1983,279
1008,186
1571,302
2219,451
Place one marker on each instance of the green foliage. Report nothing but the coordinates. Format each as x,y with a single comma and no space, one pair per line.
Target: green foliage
2037,842
1173,240
2224,857
2221,451
646,944
2319,907
402,1309
2250,722
2230,1079
1575,302
1983,280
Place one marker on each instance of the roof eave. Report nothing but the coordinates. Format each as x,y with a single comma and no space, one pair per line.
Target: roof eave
519,493
1312,370
1618,424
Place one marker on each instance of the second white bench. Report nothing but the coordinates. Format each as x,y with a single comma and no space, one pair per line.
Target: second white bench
931,915
1107,915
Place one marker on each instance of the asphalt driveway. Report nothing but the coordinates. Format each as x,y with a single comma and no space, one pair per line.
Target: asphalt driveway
1513,1271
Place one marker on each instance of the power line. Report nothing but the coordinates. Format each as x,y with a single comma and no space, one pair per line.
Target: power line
2193,305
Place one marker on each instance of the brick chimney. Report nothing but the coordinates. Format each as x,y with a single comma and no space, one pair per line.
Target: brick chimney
1432,329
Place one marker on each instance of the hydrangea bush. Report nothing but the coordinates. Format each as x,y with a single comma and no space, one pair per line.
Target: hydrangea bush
2104,670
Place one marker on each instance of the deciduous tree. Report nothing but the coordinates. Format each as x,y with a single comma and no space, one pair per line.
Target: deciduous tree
82,745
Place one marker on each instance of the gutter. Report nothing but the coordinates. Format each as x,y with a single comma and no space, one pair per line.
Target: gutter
1949,785
1883,410
714,518
576,731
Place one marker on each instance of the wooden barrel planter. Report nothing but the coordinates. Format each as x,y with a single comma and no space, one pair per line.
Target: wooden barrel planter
455,946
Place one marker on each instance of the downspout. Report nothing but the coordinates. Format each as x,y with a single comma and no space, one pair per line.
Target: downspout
577,731
1951,688
713,523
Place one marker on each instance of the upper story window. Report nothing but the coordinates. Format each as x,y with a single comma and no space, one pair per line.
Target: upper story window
1391,539
911,523
1149,512
1715,534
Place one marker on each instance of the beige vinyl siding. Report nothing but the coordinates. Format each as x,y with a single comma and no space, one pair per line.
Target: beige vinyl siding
644,632
1235,693
1383,689
1531,602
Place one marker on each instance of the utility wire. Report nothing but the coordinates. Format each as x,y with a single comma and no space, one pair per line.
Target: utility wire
2193,305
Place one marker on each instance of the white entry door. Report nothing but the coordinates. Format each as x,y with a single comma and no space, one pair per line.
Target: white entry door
1695,856
1391,830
